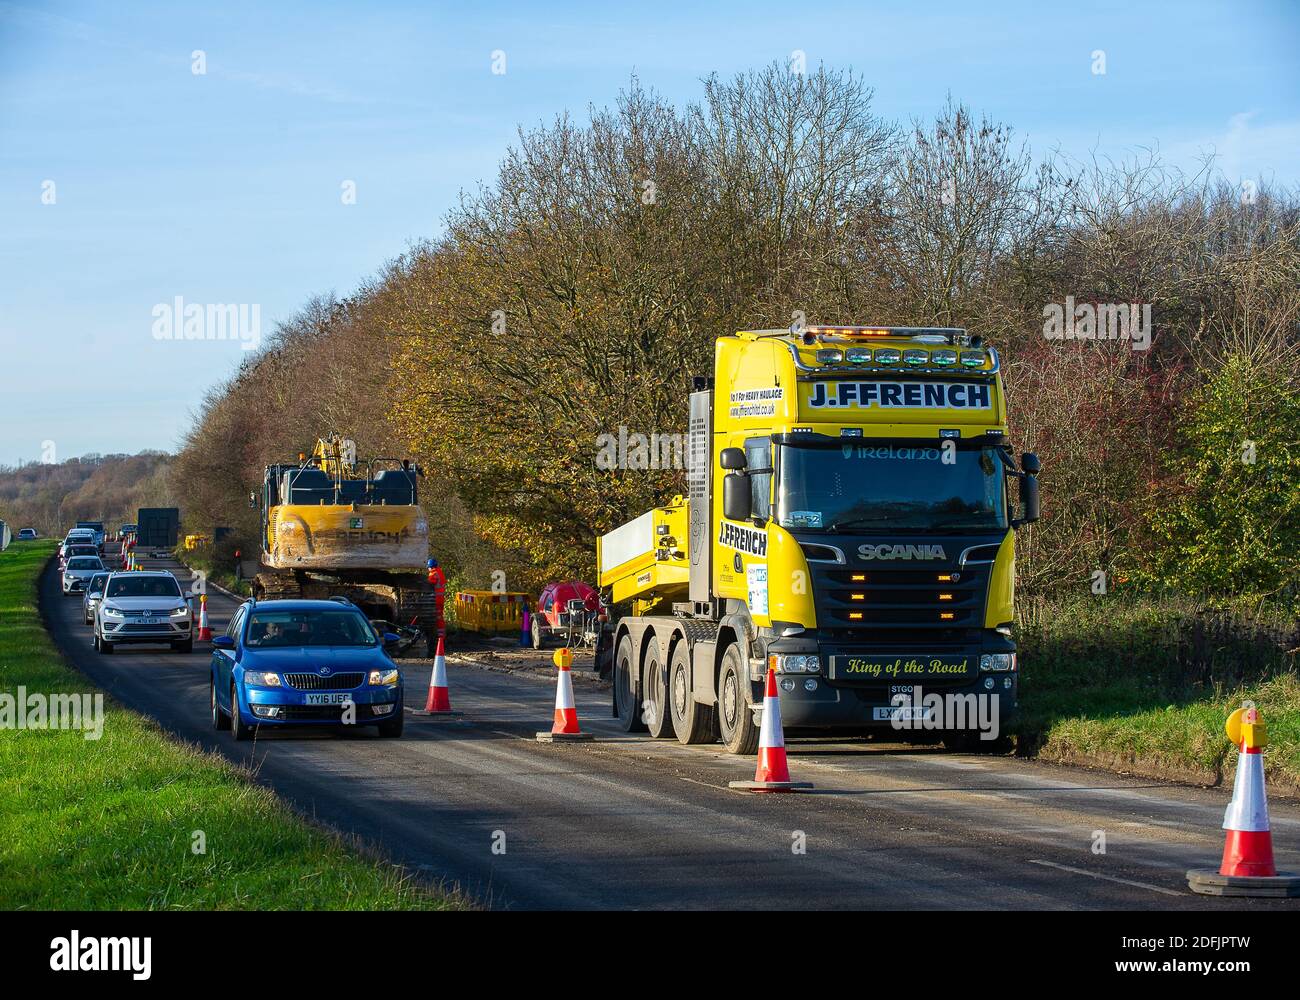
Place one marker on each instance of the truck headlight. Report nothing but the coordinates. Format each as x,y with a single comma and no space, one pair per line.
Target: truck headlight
383,678
997,662
262,678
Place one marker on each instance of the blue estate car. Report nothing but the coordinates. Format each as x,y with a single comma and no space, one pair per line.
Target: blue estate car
294,663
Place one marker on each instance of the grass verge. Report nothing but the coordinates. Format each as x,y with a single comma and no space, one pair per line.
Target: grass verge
1145,684
113,823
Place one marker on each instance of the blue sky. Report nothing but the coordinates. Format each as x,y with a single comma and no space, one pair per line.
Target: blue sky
225,187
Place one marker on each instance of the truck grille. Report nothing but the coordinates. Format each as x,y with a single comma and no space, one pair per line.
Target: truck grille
315,682
901,599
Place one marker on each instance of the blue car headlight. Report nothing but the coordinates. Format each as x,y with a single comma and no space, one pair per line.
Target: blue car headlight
383,678
262,678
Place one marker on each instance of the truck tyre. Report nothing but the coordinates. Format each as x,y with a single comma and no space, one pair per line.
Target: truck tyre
627,708
694,723
654,687
735,717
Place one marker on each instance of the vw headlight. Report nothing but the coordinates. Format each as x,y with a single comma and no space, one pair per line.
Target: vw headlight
110,612
180,612
261,678
383,678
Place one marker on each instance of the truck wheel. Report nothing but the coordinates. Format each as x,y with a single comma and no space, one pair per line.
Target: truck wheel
735,718
626,706
654,687
694,723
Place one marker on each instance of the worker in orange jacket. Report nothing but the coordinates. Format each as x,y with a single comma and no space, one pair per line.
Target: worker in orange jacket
438,581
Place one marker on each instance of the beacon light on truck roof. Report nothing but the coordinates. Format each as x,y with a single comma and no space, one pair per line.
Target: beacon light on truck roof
930,334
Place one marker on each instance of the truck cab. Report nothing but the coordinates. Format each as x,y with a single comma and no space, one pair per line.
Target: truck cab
851,523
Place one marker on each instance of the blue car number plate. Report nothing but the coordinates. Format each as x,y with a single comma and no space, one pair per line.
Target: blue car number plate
332,698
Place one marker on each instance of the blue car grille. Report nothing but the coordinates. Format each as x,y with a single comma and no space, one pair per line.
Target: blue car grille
323,713
333,682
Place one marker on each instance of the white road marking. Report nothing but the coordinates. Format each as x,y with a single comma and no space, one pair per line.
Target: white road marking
1109,878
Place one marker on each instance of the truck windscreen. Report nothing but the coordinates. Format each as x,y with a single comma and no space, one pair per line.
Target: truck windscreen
877,486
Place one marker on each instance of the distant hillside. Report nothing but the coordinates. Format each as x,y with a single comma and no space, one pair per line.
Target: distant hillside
52,498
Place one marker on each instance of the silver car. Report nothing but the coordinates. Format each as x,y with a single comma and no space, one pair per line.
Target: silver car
90,599
78,571
143,607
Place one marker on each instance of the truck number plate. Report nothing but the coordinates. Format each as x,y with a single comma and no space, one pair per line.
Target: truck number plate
901,714
339,698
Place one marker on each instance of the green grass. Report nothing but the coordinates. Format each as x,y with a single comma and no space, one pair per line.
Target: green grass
111,823
1146,684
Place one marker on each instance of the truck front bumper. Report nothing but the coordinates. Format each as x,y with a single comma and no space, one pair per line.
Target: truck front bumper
832,698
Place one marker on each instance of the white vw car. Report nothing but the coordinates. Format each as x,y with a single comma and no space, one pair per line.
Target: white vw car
143,607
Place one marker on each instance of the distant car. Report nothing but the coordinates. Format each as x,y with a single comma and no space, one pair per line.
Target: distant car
140,607
27,534
72,551
95,526
93,591
294,663
79,570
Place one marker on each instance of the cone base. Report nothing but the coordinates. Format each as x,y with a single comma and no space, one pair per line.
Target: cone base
437,713
202,637
1209,882
769,786
550,737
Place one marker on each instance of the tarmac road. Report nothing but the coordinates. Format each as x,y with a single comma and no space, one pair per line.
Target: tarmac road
626,822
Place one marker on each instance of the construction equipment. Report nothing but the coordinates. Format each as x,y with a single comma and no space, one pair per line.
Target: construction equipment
333,526
861,543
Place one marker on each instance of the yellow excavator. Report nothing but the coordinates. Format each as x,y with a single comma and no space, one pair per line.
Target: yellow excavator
334,526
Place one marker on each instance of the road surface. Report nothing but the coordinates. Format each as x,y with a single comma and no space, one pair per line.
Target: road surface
626,822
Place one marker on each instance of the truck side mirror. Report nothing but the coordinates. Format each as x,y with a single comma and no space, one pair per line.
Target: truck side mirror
1029,463
737,497
1029,504
733,459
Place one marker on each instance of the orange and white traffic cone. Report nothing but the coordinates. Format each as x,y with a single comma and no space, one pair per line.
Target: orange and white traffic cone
439,699
1247,868
205,633
772,773
565,727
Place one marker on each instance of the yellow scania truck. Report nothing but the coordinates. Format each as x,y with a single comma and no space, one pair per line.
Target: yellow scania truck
849,521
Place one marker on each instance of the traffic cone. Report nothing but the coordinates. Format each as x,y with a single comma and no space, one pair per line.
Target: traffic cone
772,773
526,632
1247,868
565,728
205,633
439,700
